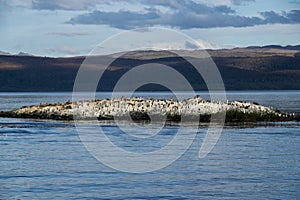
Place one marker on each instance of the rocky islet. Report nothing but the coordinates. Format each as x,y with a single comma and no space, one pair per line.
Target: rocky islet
142,108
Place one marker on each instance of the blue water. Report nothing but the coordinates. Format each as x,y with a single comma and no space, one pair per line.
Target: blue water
45,159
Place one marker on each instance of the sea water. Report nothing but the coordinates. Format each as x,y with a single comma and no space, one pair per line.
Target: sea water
45,159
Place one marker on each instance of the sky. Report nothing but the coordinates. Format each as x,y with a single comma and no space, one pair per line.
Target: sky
62,28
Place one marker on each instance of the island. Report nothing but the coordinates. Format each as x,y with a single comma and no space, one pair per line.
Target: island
142,108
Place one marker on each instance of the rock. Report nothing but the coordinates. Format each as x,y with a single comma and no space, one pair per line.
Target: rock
142,109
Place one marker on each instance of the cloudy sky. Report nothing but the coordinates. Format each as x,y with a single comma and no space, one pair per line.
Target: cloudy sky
74,27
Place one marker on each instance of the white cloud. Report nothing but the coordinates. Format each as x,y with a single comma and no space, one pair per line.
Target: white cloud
79,33
186,45
66,50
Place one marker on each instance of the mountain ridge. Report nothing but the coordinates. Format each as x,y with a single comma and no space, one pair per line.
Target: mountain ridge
248,68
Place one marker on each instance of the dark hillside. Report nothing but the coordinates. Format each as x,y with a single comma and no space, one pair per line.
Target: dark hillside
252,68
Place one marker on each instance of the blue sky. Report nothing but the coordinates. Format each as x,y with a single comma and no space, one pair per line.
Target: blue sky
67,28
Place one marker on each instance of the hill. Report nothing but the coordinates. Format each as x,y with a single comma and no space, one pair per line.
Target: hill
252,68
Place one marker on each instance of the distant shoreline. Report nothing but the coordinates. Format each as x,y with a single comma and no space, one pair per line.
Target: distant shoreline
160,91
253,68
